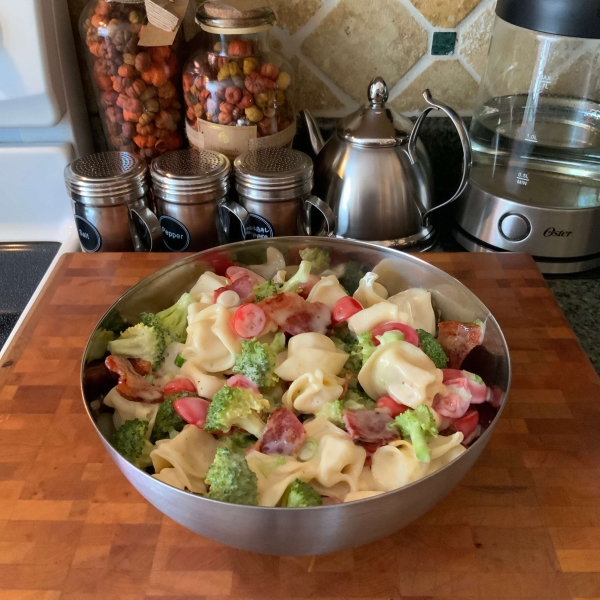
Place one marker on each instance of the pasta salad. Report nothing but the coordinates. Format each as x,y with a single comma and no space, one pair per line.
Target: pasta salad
290,385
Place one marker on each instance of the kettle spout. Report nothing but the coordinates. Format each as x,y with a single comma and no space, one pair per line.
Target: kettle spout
314,134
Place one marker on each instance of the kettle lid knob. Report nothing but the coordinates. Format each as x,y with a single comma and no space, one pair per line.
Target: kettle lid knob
378,92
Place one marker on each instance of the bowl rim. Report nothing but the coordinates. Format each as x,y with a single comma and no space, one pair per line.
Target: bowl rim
301,239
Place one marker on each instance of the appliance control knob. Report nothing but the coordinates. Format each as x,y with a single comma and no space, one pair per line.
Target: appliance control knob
514,227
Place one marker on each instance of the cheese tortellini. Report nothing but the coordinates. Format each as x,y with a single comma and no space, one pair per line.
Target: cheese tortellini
416,303
126,410
206,385
370,292
207,284
404,372
327,291
308,352
311,391
381,312
335,468
396,465
211,342
184,460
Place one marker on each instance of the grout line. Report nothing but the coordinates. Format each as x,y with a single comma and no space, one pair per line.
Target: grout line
469,69
314,21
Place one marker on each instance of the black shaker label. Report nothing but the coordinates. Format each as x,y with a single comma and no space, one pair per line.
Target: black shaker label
142,230
89,236
257,227
175,236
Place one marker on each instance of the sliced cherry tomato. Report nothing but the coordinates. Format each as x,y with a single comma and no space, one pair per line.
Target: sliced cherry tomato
235,272
179,385
390,406
344,308
249,320
410,335
192,410
467,424
242,381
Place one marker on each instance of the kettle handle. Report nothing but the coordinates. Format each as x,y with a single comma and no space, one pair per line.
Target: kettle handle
464,140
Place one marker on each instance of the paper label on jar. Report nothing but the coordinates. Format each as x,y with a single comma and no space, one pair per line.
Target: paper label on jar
228,140
277,140
164,19
195,138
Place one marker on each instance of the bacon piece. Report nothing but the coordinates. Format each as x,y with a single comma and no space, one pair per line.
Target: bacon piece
140,366
284,433
296,315
242,286
456,401
458,339
369,427
131,385
479,391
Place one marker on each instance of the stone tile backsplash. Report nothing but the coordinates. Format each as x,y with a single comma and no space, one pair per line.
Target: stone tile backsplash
338,46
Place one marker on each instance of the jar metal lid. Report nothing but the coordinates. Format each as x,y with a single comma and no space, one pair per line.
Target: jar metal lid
190,176
273,174
107,178
216,16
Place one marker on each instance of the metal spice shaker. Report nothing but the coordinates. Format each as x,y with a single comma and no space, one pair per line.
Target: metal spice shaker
110,196
189,185
274,186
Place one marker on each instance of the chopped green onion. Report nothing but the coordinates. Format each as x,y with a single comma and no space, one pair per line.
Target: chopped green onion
308,450
179,361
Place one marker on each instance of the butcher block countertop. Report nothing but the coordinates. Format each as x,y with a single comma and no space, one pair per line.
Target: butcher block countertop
524,523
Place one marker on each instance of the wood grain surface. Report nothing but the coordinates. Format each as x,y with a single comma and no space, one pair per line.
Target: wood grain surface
524,523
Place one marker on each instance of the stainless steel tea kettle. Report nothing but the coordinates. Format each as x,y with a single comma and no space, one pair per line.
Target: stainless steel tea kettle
375,174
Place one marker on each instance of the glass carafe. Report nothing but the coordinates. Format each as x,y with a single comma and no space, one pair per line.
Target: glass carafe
535,133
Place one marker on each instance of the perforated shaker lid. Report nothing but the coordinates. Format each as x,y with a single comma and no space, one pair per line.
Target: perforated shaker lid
273,174
107,178
190,175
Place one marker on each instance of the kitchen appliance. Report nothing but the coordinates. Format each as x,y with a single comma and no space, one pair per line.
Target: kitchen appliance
288,531
274,188
375,174
43,127
535,136
111,199
189,185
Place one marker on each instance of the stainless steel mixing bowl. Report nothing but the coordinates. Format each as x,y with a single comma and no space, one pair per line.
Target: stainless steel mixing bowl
319,530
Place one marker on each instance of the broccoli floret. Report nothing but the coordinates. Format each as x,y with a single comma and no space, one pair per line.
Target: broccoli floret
365,346
237,441
300,494
231,479
391,336
234,406
130,443
357,398
318,258
114,322
334,412
168,421
257,360
141,341
354,362
265,290
418,425
301,276
430,346
353,273
99,344
173,320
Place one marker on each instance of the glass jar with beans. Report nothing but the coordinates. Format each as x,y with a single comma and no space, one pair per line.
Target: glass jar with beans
237,91
136,87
